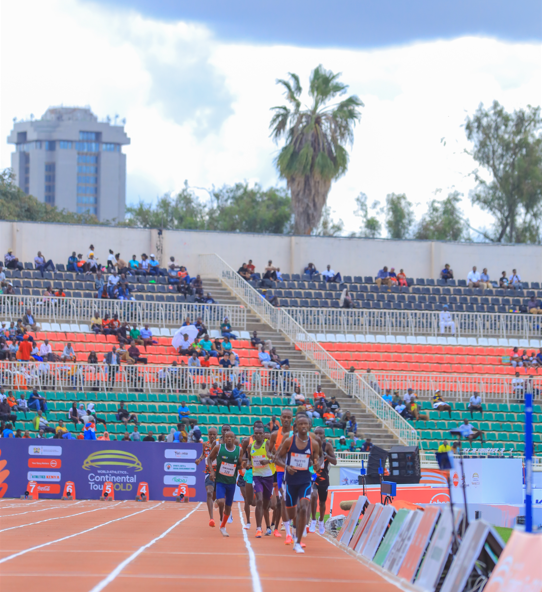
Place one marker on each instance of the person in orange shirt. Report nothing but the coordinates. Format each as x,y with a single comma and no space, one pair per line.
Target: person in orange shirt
25,349
402,279
319,394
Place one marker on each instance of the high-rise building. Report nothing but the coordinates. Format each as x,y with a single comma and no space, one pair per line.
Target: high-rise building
71,160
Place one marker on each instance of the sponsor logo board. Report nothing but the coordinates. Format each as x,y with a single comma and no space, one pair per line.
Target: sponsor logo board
180,453
43,476
44,463
179,480
34,450
172,467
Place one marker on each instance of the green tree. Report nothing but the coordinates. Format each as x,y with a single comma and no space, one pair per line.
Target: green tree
443,220
371,227
15,204
508,146
399,216
314,153
328,226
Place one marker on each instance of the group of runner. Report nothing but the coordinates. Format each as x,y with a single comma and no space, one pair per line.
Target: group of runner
284,476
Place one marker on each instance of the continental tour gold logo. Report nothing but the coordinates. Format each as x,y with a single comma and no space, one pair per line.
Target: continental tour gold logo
109,458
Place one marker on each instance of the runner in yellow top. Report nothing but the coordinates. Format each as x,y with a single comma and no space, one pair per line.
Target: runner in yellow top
262,475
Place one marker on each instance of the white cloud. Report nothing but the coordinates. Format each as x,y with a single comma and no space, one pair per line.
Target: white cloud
198,109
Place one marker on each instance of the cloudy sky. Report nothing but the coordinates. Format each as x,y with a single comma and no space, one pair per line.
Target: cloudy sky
195,82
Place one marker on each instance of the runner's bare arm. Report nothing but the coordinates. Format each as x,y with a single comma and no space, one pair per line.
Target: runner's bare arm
212,456
198,460
330,453
280,457
316,455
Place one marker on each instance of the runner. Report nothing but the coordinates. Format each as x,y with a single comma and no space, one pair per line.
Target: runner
262,477
209,483
223,431
321,484
228,463
276,440
296,454
248,493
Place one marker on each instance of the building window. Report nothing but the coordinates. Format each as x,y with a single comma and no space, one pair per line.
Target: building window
87,146
50,146
111,147
87,169
50,183
65,145
87,158
83,180
92,136
87,199
24,172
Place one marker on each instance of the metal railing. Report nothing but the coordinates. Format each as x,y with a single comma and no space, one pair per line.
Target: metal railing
158,314
280,320
460,387
413,322
48,376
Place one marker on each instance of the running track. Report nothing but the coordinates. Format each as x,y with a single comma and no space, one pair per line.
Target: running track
89,546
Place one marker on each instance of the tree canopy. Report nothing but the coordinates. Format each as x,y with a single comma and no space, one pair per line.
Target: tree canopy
508,148
314,153
443,220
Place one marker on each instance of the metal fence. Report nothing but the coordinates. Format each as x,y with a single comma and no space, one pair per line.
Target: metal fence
460,387
62,377
409,322
280,320
157,314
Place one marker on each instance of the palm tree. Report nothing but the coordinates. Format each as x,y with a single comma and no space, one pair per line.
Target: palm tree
314,153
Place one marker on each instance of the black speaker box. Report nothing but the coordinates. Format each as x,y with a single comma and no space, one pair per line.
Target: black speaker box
404,464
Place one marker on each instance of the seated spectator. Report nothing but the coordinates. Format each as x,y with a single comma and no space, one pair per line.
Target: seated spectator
121,266
37,402
112,282
273,425
515,358
469,433
408,396
68,354
514,281
135,335
133,264
335,407
226,346
319,393
503,281
402,279
255,340
297,398
125,416
270,272
225,329
225,362
204,396
208,299
265,358
215,394
7,289
208,347
81,265
311,270
518,387
40,423
445,320
342,446
42,265
403,411
484,279
351,427
154,267
251,267
475,404
388,397
11,262
144,266
92,265
330,276
134,353
29,322
96,323
447,273
473,279
194,435
440,405
320,408
73,415
183,411
17,404
200,326
6,412
444,447
187,347
193,361
239,396
383,277
146,335
533,306
135,436
172,276
537,362
345,300
7,432
72,263
276,358
413,407
367,445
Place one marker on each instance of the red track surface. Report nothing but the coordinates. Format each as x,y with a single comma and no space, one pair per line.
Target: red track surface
191,554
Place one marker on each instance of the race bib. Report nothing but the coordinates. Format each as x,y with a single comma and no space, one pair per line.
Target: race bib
227,469
257,461
299,461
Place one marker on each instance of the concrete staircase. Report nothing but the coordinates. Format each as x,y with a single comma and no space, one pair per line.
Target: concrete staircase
368,425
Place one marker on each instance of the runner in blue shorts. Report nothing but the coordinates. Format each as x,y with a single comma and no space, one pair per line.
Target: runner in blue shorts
275,442
297,454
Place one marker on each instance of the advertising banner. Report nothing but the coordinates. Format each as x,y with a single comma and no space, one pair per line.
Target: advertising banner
168,468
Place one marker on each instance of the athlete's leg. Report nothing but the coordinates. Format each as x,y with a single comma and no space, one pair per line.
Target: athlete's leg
259,509
302,513
249,495
314,502
210,490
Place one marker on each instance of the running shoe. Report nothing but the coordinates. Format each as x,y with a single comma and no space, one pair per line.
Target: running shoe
230,519
289,540
268,532
259,534
307,530
212,523
277,534
298,548
303,545
247,526
224,532
321,528
312,527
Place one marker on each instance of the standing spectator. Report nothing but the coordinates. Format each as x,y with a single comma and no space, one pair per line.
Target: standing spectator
484,279
383,277
11,262
514,281
476,404
37,402
112,361
42,265
473,278
111,261
225,329
445,320
29,322
346,300
99,284
440,405
518,387
447,273
331,276
125,416
25,349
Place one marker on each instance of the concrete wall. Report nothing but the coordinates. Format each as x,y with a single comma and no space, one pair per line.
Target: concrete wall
290,253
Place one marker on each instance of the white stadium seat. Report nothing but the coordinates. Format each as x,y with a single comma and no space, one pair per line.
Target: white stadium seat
503,342
493,342
381,339
320,337
350,338
411,339
442,341
472,341
390,339
523,343
244,335
421,340
330,337
360,338
432,341
370,339
340,338
462,341
452,340
400,339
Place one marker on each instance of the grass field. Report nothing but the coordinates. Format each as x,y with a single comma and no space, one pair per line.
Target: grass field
505,533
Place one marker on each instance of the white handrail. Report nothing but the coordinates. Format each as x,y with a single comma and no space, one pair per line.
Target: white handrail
81,310
416,322
280,320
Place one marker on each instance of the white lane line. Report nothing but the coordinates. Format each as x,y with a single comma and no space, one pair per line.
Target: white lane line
71,536
129,560
55,518
23,504
256,583
34,511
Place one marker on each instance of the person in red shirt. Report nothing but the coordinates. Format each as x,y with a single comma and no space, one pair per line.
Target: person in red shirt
319,394
251,267
25,349
205,362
